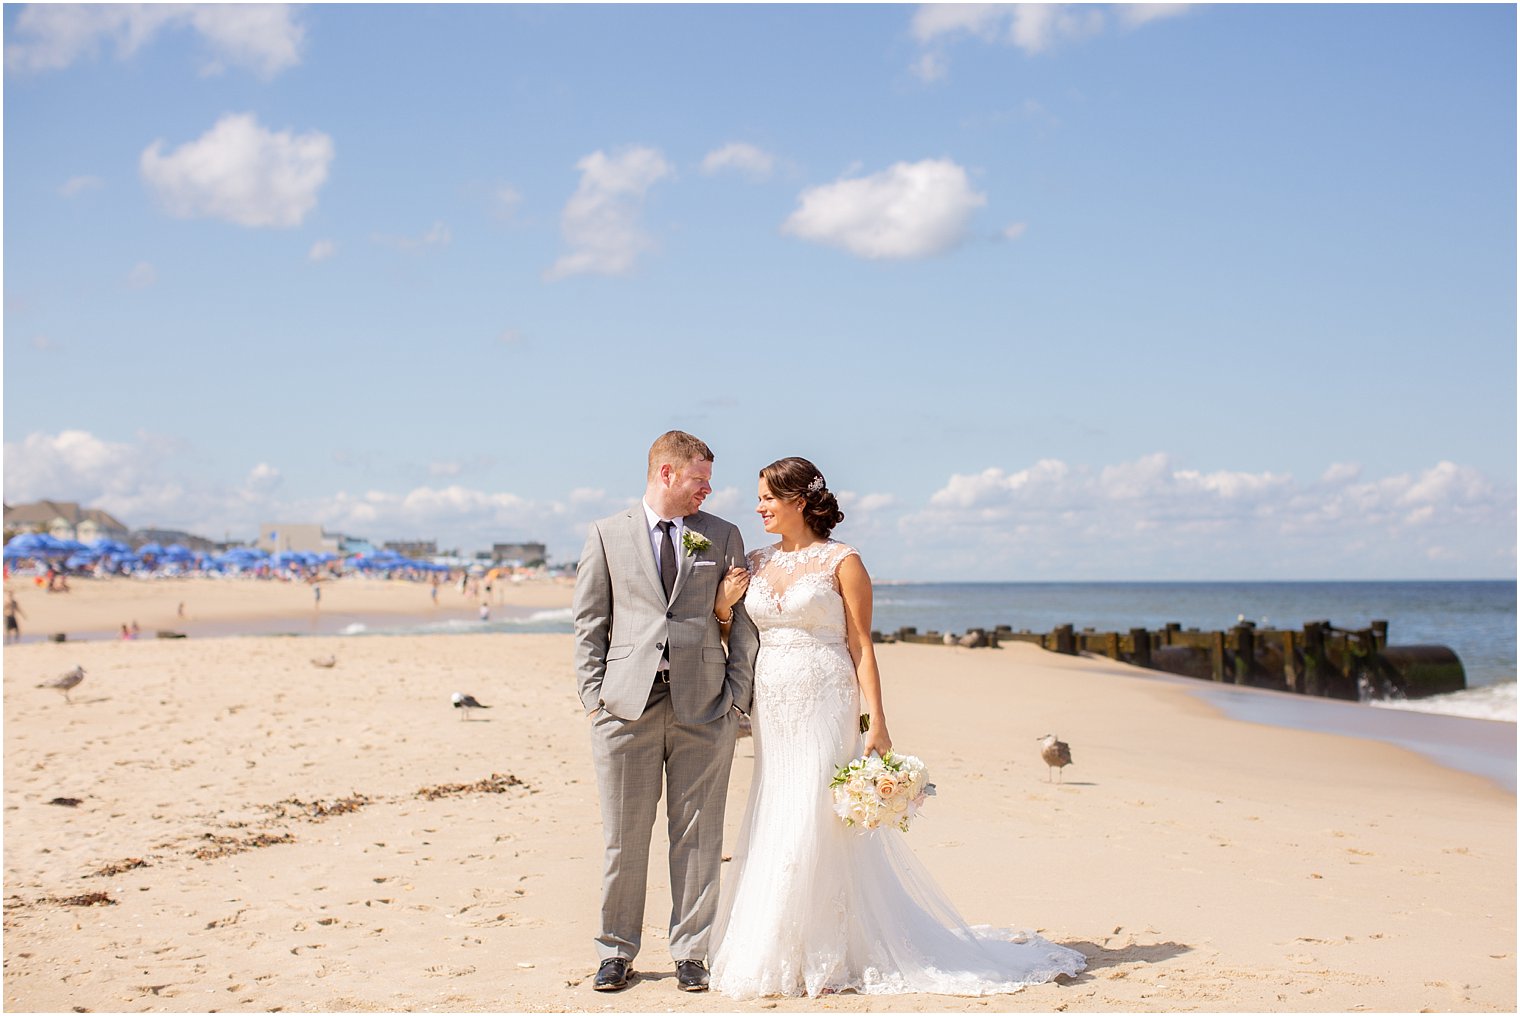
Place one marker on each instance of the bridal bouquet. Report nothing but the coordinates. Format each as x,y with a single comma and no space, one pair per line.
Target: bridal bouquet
874,789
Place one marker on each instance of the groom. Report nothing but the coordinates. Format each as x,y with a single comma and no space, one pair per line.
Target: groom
661,694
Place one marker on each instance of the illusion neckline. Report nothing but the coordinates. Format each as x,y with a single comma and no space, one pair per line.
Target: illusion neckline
776,547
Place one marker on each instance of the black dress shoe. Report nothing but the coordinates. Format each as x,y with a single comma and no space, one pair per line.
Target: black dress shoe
613,974
691,975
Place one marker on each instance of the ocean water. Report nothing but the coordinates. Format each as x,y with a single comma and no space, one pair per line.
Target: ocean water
1475,619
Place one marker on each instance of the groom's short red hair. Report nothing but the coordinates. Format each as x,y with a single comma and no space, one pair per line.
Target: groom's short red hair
677,448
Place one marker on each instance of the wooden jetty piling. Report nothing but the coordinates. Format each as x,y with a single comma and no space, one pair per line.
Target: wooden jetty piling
1319,660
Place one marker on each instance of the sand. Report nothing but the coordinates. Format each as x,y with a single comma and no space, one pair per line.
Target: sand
266,834
197,606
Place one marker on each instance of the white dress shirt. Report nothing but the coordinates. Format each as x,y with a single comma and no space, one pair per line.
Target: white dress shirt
657,538
656,543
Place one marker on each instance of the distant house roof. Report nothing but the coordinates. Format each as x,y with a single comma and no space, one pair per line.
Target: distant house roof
43,512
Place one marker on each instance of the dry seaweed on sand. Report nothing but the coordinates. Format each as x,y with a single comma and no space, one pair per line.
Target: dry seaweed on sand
95,899
496,783
225,846
317,810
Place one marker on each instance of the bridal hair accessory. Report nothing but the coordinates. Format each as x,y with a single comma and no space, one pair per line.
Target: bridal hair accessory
816,485
694,542
876,789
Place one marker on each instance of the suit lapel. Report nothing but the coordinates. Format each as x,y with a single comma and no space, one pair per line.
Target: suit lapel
638,531
684,561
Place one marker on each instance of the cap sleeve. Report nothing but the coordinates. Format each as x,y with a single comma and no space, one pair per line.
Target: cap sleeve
841,551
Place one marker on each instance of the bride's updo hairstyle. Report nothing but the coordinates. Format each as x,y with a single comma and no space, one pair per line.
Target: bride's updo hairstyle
796,478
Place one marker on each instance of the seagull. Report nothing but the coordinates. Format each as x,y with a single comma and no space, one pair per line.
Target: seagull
326,661
466,702
1056,753
66,683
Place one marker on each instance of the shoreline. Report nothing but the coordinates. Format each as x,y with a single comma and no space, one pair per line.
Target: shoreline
259,888
362,607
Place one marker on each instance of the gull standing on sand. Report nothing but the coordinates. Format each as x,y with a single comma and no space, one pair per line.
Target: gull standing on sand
1056,754
466,703
66,683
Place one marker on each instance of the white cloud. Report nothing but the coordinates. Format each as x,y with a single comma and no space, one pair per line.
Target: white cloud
909,210
142,275
1151,517
265,38
1147,518
1032,27
931,21
756,163
1135,15
1014,230
322,250
145,482
930,66
262,37
240,172
505,200
601,220
76,185
1339,472
437,236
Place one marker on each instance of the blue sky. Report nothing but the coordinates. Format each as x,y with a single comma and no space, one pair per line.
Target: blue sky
1048,292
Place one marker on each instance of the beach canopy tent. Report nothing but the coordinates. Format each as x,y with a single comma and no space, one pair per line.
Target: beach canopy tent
40,545
240,558
150,550
384,560
106,546
178,552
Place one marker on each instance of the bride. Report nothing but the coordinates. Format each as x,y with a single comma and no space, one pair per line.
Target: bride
813,907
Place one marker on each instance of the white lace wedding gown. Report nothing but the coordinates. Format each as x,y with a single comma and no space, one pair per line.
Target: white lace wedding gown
809,904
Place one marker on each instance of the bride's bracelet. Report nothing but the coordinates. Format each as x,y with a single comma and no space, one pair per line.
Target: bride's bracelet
721,618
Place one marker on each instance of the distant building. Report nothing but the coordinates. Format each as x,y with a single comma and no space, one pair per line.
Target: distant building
519,553
164,537
308,537
416,549
65,520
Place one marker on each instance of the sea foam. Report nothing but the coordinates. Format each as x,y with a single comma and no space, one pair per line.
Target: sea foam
1490,702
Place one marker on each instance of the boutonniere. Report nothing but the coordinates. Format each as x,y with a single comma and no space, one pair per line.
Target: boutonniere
694,542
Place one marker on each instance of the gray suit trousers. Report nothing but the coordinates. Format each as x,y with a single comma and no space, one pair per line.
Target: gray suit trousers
630,756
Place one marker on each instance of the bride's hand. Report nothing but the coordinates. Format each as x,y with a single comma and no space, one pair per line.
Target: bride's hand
731,589
878,740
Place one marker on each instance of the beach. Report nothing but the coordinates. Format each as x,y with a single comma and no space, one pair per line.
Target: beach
254,832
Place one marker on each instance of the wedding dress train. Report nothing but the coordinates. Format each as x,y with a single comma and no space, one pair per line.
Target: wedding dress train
811,905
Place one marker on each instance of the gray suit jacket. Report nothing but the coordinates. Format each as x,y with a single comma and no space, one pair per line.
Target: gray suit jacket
623,622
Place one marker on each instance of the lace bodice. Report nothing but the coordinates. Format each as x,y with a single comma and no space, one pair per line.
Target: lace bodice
795,594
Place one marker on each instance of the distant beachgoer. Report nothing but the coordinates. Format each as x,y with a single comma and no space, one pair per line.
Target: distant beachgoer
136,631
485,612
435,591
125,632
181,608
12,612
316,592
